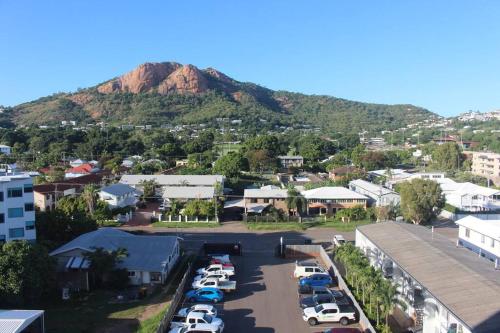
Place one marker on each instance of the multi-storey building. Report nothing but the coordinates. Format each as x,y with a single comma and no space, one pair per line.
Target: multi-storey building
17,208
440,288
486,165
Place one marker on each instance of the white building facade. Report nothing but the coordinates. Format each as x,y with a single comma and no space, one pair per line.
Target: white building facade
17,208
481,237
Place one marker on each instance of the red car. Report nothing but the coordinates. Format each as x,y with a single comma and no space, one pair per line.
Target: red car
342,330
218,262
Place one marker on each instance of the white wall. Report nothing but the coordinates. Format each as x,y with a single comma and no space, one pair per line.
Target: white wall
480,240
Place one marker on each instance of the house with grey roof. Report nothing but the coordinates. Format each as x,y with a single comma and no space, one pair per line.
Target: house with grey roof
150,258
441,287
22,321
378,195
118,195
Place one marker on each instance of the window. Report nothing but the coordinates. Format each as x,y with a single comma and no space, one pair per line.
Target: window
308,270
15,212
266,200
16,232
2,218
131,273
492,244
467,232
1,196
30,225
14,192
29,207
482,239
28,188
253,200
2,239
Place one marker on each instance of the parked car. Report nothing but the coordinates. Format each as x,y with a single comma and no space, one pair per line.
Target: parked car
307,268
318,290
196,318
342,330
221,257
329,313
198,328
312,301
221,276
226,286
223,263
322,279
338,240
202,308
213,295
229,270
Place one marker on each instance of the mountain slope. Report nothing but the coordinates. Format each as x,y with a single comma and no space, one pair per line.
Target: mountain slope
168,92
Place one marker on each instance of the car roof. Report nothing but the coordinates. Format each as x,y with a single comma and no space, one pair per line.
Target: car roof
204,326
339,236
202,306
196,315
320,274
330,306
319,288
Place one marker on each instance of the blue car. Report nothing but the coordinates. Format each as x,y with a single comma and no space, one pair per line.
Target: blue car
213,295
316,280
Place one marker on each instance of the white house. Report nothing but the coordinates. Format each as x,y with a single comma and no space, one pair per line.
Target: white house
22,321
77,162
470,197
150,258
441,288
118,195
5,149
291,161
17,208
481,237
378,194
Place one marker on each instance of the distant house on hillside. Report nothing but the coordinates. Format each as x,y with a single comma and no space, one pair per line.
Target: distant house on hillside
82,170
343,172
6,150
291,161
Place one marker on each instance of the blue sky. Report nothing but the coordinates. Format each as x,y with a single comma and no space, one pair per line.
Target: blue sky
442,55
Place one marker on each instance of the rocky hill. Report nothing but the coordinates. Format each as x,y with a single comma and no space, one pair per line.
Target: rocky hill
169,92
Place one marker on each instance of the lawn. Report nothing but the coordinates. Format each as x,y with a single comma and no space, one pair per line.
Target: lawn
93,312
295,226
186,224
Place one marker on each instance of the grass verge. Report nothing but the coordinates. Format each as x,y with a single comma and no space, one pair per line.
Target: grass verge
276,226
295,226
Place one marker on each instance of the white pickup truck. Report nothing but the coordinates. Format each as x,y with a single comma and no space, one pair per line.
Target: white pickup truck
307,268
329,313
228,270
196,318
225,286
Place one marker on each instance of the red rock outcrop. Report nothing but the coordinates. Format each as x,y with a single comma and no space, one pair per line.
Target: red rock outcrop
187,79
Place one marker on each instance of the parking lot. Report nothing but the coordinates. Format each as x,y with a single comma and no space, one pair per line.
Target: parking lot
266,298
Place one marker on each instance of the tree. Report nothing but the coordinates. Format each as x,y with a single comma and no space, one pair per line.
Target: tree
27,274
149,189
229,165
447,157
296,202
357,154
90,195
103,262
260,160
421,200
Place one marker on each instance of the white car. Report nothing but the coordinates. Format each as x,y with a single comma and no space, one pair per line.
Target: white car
307,268
203,308
218,275
198,328
196,318
338,240
227,269
329,313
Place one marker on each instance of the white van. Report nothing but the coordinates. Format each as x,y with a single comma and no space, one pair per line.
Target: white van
307,268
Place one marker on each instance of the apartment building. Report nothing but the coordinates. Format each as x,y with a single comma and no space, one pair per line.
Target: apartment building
441,288
17,208
486,165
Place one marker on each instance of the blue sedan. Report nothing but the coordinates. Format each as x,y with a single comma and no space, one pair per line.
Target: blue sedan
213,295
323,280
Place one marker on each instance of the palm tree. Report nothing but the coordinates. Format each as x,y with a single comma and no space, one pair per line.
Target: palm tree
296,202
90,195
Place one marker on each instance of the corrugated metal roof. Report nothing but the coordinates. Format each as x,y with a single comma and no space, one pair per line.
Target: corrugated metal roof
174,180
118,189
467,285
15,321
146,253
188,192
371,187
332,192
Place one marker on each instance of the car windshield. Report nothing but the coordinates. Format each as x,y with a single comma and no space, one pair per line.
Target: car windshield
207,318
318,308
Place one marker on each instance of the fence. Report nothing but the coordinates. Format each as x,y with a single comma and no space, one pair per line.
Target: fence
318,251
479,215
165,321
271,219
